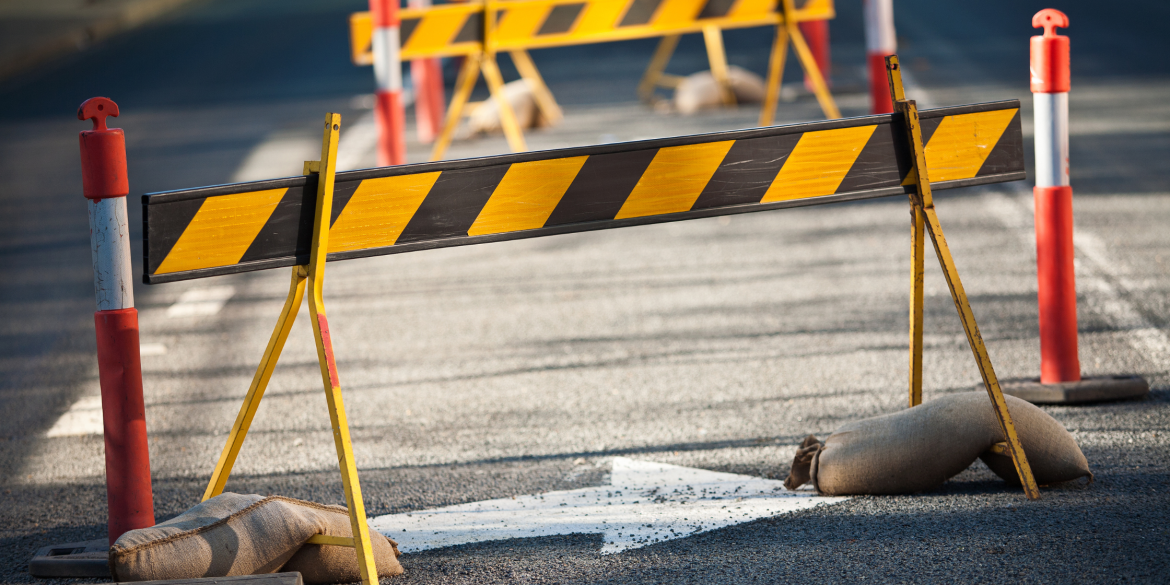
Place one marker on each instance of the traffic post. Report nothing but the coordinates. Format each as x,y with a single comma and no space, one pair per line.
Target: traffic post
816,32
1060,369
105,185
880,42
389,114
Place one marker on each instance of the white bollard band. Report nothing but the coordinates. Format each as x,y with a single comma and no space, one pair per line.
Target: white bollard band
109,234
1051,135
387,67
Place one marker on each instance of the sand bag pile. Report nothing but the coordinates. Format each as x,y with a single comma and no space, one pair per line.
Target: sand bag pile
700,91
919,448
485,117
233,534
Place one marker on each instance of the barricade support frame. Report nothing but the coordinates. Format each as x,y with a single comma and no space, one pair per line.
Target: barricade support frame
923,215
310,276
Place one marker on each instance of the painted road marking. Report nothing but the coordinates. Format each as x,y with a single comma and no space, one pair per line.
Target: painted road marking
148,348
201,302
645,503
83,418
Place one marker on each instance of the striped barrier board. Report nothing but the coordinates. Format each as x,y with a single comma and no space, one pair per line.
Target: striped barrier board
268,224
458,29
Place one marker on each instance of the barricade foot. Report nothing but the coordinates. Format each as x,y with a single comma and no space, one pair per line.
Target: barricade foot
90,558
1083,391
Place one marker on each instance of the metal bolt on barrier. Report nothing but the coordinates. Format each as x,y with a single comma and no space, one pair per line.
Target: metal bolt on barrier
105,185
1060,368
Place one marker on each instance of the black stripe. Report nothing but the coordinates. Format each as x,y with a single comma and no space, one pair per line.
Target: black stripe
747,171
872,168
640,12
170,220
289,230
1008,154
927,126
472,30
716,8
560,19
342,193
601,187
406,28
453,204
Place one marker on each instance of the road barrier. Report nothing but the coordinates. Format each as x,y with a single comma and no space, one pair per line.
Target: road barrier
303,222
482,29
105,185
1060,368
880,42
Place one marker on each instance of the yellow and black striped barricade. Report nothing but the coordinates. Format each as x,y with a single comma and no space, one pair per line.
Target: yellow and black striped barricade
478,30
302,221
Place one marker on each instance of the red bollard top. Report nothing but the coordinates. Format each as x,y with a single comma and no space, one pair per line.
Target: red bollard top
103,152
1050,53
384,13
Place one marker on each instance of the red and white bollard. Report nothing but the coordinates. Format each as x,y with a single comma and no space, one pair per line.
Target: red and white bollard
816,34
427,77
389,114
1053,196
880,42
105,185
1060,368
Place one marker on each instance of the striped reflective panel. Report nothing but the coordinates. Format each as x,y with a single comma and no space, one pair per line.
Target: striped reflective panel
457,29
251,226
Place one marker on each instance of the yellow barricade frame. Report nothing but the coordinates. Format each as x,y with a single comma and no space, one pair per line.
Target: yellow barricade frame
480,57
924,221
312,275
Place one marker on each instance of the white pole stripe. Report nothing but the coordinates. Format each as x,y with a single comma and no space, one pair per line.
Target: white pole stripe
879,27
1051,135
109,240
387,68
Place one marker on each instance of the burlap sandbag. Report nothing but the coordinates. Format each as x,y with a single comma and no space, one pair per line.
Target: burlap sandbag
700,91
485,117
338,564
233,534
919,448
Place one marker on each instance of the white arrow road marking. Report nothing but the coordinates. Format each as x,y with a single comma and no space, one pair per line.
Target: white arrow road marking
646,503
83,418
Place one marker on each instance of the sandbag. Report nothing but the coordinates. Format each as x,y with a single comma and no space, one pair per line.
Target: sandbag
233,534
918,449
485,117
699,91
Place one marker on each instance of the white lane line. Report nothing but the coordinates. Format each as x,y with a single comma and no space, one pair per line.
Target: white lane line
147,348
1100,277
83,418
201,302
644,504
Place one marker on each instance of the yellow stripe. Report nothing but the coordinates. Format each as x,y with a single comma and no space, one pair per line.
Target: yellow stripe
221,231
600,17
435,32
818,164
378,211
674,179
526,196
674,13
750,9
520,22
961,144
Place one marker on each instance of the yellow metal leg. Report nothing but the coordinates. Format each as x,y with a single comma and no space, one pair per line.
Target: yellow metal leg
975,340
495,81
284,324
653,76
775,75
820,88
923,204
917,250
544,98
316,271
468,75
717,57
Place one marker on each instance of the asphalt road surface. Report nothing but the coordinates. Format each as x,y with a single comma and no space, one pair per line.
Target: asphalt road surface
524,367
